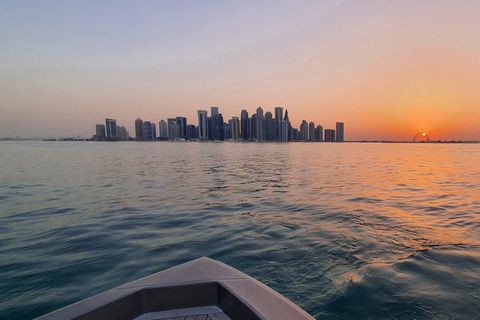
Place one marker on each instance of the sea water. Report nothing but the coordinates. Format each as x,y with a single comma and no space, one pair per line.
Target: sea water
344,230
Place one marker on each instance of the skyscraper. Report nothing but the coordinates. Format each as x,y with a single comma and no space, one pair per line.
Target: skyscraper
154,131
182,122
214,111
227,130
217,127
329,135
311,131
209,128
295,134
340,132
259,122
270,127
244,124
100,131
202,125
111,128
283,130
278,120
173,129
319,133
139,129
235,126
303,133
149,131
289,125
122,133
278,114
191,132
252,128
163,130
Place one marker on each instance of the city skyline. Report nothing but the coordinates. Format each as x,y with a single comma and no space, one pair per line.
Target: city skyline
388,69
257,127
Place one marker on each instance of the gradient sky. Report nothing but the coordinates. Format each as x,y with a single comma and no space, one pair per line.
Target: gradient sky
388,69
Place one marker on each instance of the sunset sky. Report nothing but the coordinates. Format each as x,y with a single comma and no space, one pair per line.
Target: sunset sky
387,69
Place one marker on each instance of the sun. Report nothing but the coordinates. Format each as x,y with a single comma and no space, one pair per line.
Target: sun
420,134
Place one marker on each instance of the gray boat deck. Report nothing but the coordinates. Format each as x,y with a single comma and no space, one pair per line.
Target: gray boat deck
200,313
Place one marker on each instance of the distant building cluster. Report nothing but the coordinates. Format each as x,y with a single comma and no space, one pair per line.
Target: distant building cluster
257,127
110,131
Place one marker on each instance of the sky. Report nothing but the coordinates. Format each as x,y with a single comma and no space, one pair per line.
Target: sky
387,69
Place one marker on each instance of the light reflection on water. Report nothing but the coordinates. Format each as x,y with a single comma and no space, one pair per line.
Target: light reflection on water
384,231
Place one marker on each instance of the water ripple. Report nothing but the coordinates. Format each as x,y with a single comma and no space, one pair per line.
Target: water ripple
346,231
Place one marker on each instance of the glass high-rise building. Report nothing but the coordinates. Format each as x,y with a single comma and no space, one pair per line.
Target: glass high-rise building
202,125
163,130
270,127
319,133
311,131
149,131
100,131
235,127
278,114
173,129
139,129
182,122
278,120
303,133
217,127
122,133
214,111
289,125
340,132
191,132
329,135
260,125
111,128
251,128
244,124
283,130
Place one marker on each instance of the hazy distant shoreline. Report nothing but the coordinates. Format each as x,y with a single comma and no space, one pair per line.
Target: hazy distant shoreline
237,141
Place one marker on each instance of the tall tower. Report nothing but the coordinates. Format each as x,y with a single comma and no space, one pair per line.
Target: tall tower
100,131
111,128
202,125
163,130
260,130
289,127
269,127
319,133
340,132
278,120
214,111
235,126
139,129
173,129
244,124
278,114
283,130
252,128
311,131
217,127
304,131
182,122
329,135
148,131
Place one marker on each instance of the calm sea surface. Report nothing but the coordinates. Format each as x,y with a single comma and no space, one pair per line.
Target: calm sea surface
345,231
